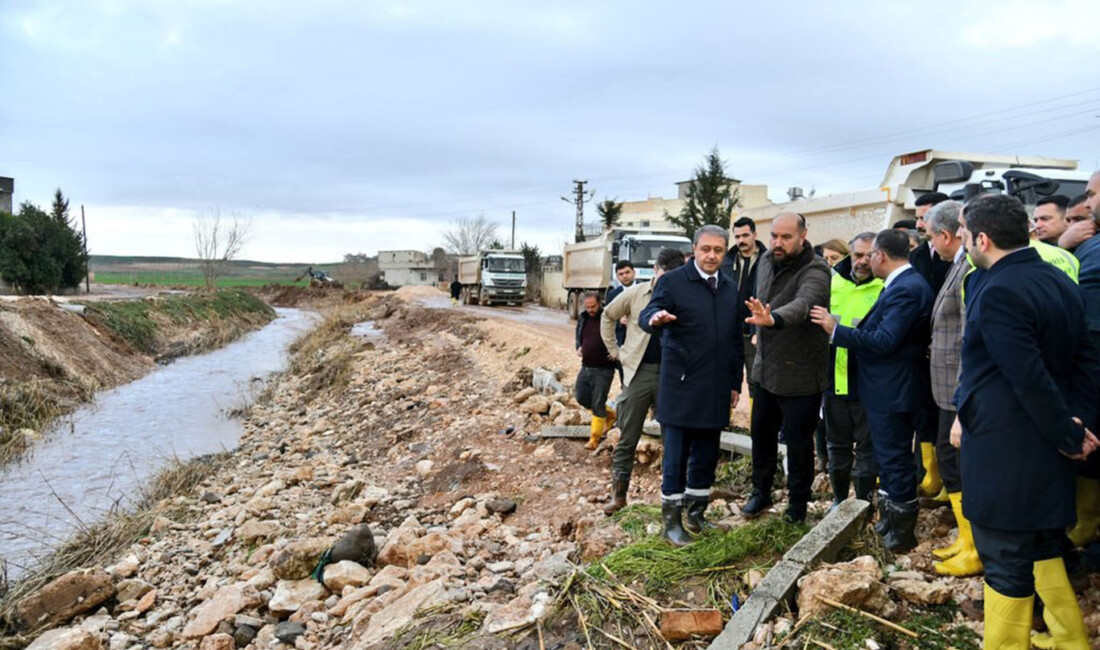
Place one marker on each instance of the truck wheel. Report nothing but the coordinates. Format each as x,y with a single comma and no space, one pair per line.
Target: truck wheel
483,299
573,305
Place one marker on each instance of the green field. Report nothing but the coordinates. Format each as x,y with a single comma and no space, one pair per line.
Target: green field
188,279
178,271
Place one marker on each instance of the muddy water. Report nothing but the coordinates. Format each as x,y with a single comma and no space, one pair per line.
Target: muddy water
98,458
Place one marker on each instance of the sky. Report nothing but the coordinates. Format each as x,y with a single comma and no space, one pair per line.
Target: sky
347,127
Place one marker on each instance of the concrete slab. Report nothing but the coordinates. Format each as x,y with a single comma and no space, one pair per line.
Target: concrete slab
566,432
739,630
830,535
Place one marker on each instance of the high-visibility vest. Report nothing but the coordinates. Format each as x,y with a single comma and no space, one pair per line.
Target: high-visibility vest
1059,257
849,303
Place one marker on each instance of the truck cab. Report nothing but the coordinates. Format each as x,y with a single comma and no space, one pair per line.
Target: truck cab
503,277
642,252
961,181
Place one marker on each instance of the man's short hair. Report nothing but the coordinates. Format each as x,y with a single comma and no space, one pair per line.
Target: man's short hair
893,243
670,258
905,224
624,264
1057,199
863,236
710,229
745,221
1076,201
931,198
591,294
944,217
1001,217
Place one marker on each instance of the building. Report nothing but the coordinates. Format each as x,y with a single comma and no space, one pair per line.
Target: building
408,268
7,192
650,214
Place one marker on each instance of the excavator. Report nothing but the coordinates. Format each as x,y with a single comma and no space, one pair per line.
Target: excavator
319,280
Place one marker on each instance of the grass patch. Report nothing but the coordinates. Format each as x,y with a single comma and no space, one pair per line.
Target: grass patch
24,406
139,322
179,279
937,626
438,631
326,353
101,543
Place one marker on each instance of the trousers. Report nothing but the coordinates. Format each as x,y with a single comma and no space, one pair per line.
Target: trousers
849,437
690,459
633,405
1009,556
592,387
797,417
946,454
892,442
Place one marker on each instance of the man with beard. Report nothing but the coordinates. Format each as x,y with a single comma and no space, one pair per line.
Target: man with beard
741,263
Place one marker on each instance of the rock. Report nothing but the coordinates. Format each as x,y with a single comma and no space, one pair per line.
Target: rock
225,604
288,632
501,567
753,577
398,613
244,634
120,641
556,409
536,404
298,559
681,625
70,595
396,549
501,506
554,568
290,595
428,545
146,602
125,568
424,467
921,592
218,642
356,545
210,497
345,574
66,638
853,583
254,529
905,575
522,396
520,611
131,590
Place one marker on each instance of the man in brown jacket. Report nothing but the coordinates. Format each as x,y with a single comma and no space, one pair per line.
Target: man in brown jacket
791,366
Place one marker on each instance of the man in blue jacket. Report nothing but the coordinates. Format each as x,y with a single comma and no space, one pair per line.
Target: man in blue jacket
1026,401
890,346
695,311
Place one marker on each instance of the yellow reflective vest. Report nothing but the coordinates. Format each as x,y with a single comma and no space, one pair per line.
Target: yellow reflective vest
849,303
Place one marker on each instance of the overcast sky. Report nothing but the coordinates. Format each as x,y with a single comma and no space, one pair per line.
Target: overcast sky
345,127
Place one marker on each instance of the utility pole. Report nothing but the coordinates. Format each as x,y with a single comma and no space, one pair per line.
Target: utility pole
513,230
580,197
87,264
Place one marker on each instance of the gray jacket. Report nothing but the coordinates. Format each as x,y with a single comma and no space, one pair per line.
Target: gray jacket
792,357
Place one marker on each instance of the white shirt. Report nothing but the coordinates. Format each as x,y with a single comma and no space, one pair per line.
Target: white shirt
894,274
704,275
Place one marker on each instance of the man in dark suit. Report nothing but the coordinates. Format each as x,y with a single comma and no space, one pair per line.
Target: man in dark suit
1026,393
934,268
695,311
890,346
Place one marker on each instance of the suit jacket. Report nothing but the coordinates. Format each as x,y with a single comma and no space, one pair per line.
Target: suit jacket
948,316
927,262
743,273
891,346
628,303
702,353
1028,367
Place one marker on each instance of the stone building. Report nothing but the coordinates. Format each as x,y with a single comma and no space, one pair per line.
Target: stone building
409,268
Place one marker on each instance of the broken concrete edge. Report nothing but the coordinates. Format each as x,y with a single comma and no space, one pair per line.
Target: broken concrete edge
820,544
740,443
566,432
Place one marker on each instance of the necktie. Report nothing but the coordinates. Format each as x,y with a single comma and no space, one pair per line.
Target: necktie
713,282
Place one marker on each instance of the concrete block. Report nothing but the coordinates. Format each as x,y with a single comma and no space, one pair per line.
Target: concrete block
830,535
781,581
566,432
756,610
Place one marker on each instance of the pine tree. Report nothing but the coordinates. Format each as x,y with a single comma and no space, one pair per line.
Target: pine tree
709,199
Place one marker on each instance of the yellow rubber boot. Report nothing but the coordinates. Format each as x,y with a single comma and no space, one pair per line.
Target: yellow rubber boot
1088,512
597,430
1007,621
610,420
966,562
931,484
958,544
942,497
1061,612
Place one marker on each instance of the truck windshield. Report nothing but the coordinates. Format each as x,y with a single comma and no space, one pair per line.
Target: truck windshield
645,254
506,265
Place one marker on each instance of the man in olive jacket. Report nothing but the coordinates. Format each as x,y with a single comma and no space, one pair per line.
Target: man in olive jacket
792,363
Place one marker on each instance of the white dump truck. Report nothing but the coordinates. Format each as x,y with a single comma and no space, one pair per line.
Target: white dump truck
590,265
493,276
957,174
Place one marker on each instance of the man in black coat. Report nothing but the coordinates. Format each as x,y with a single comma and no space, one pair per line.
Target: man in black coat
1026,403
740,263
890,346
694,310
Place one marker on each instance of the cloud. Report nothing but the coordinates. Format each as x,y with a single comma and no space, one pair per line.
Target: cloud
1025,24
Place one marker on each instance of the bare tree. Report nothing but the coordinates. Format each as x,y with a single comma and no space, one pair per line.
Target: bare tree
219,241
468,236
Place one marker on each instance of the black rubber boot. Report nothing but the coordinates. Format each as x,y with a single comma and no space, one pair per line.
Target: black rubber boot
841,480
795,512
619,488
902,535
882,526
674,528
757,502
865,488
695,520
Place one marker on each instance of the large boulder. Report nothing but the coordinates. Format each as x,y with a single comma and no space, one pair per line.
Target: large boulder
396,548
857,583
67,638
344,574
399,613
74,593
